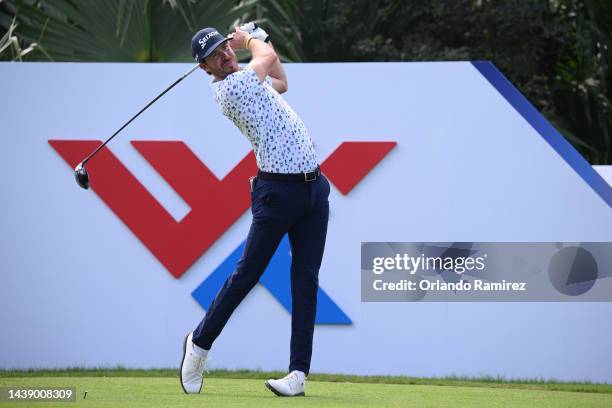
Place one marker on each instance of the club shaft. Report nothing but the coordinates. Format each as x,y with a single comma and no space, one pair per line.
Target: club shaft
139,112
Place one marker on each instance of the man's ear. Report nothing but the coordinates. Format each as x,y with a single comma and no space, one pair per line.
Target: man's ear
204,67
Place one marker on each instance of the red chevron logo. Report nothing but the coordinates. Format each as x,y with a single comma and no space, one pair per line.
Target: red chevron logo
215,204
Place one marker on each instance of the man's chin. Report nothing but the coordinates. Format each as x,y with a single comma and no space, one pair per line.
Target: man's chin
230,68
227,70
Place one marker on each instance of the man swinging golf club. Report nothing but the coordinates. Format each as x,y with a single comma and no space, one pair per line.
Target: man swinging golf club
288,196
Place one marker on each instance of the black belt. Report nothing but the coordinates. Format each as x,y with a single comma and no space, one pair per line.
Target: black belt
290,176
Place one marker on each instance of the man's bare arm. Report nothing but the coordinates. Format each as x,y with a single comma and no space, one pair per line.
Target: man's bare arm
276,72
263,56
278,76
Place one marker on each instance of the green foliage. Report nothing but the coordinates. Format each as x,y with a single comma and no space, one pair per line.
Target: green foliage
118,30
581,88
556,51
10,47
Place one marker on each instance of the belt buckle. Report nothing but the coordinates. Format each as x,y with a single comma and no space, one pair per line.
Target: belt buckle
312,174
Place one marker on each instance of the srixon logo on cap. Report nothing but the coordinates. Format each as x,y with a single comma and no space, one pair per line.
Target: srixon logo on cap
203,40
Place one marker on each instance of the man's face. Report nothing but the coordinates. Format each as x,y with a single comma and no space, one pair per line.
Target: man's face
221,62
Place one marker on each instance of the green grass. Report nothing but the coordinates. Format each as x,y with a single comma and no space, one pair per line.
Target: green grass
459,381
160,388
155,392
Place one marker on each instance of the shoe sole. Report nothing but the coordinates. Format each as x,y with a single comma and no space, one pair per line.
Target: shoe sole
271,388
181,367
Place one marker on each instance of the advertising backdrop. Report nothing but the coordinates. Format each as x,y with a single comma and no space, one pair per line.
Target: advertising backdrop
117,275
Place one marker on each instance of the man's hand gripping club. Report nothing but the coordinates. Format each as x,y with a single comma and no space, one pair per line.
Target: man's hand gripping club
264,62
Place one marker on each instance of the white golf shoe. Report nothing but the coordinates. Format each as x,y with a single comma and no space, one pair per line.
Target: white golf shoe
192,367
292,385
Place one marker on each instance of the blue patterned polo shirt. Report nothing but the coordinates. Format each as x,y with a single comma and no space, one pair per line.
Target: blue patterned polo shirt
278,135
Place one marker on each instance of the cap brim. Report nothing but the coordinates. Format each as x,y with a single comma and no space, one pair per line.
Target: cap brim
213,47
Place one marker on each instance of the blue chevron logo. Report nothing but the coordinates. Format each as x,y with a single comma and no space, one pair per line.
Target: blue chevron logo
276,279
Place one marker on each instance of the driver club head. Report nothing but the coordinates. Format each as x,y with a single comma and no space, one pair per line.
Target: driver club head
81,176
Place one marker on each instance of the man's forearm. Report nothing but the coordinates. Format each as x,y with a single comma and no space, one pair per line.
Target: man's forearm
261,50
264,60
277,71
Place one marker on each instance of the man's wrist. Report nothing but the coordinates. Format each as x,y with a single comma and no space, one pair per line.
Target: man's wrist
247,40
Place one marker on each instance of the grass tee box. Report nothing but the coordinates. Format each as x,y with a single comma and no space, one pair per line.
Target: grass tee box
160,388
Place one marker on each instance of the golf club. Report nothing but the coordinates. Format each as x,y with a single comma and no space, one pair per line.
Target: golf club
80,172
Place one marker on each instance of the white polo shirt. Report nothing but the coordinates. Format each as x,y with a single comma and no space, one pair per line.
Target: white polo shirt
278,135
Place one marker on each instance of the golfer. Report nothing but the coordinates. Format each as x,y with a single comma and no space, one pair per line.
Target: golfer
288,196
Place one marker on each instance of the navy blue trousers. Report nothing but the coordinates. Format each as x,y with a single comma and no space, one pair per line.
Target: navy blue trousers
301,210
